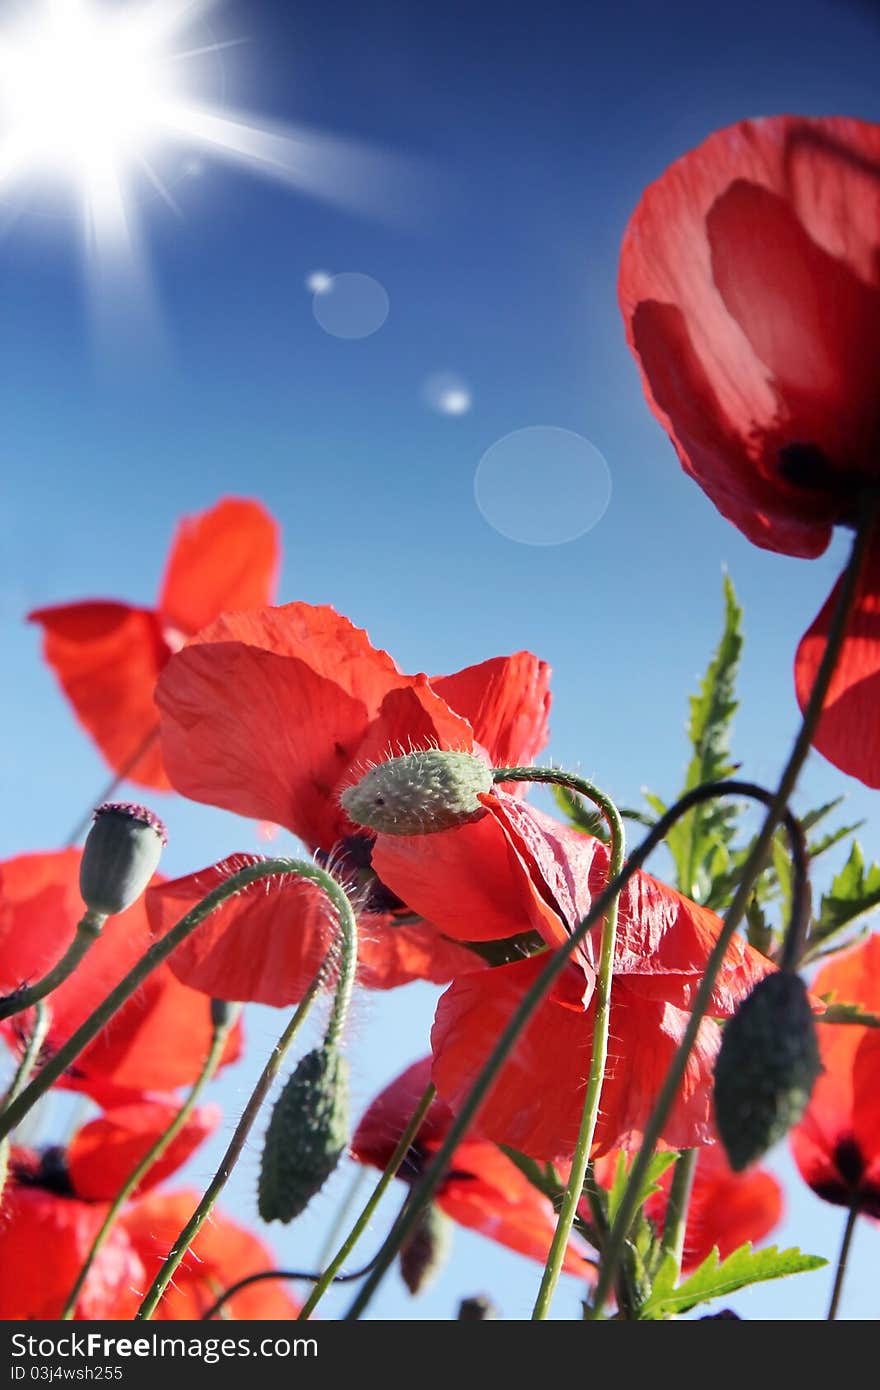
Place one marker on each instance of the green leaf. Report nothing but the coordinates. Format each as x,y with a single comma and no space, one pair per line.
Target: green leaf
854,892
657,1167
819,813
718,1279
693,840
847,1013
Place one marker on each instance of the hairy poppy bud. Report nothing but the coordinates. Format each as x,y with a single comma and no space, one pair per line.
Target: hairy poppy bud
120,856
424,1253
766,1068
419,793
307,1135
476,1309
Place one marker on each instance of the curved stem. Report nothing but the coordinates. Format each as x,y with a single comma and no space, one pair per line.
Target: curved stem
677,1203
795,932
307,1276
357,1230
599,1057
30,1055
348,968
116,781
232,1154
157,953
843,1259
530,1001
212,1061
340,1218
88,929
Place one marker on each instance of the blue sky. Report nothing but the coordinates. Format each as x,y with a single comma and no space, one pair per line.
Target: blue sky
527,135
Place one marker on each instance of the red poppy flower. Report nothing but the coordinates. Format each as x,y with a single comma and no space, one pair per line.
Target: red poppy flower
272,714
267,943
836,1145
517,869
750,286
222,1253
108,655
726,1209
482,1190
103,1154
158,1040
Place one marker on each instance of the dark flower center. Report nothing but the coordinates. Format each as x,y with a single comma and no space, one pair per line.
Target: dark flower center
47,1170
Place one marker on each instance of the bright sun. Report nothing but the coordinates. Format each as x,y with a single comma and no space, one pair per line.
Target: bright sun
94,96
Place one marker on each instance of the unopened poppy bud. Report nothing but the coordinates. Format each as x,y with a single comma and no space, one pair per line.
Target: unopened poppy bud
307,1135
419,793
424,1253
476,1309
223,1013
120,856
766,1068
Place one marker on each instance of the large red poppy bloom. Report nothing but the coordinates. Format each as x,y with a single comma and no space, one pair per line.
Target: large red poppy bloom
482,1190
55,1201
518,869
836,1145
272,714
158,1040
107,655
750,287
726,1209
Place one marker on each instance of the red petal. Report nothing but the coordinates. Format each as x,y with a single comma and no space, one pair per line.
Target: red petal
391,954
44,1240
506,701
105,1152
387,1116
849,729
223,559
264,712
410,718
536,1104
265,945
222,1253
107,658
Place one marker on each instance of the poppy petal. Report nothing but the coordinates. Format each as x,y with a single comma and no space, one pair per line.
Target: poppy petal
107,657
224,559
391,953
506,701
105,1152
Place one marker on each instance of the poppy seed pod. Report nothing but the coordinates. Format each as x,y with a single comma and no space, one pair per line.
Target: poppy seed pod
120,856
424,1253
479,1308
307,1135
419,793
766,1068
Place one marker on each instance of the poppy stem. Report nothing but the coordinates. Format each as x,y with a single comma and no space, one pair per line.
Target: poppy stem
31,1053
795,930
599,1057
88,929
304,1275
130,763
212,1061
531,1001
347,970
677,1203
357,1230
843,1259
157,953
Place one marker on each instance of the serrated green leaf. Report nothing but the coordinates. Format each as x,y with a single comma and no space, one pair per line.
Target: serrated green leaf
834,837
811,818
853,893
716,1278
657,1167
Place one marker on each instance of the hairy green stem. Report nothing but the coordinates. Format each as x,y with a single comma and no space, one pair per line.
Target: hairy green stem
157,953
306,1276
357,1230
677,1203
531,1000
599,1057
794,936
347,970
88,929
155,1152
31,1054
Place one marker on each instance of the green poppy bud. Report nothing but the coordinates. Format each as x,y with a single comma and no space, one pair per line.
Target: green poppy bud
419,793
766,1068
307,1135
424,1252
120,856
477,1309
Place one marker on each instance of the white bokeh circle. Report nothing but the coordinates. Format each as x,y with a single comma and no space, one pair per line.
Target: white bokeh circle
447,393
542,485
352,305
